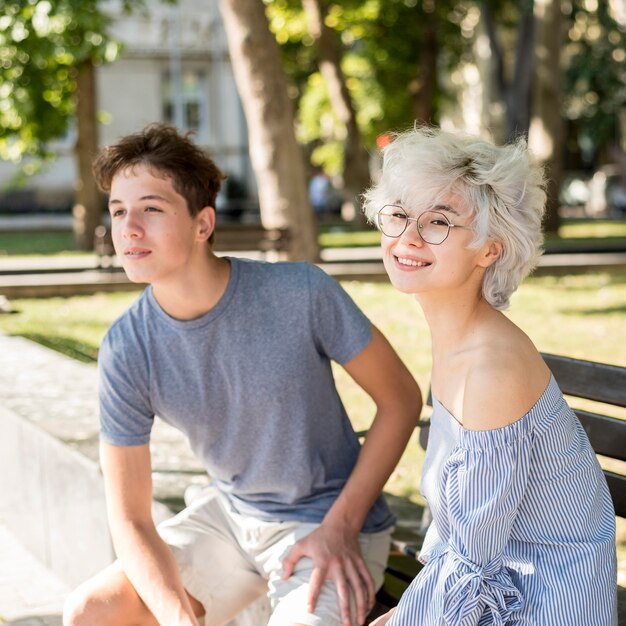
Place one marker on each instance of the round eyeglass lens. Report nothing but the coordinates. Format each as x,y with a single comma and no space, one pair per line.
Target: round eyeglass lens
433,227
392,220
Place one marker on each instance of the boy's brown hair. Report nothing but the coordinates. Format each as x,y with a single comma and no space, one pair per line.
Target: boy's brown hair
165,152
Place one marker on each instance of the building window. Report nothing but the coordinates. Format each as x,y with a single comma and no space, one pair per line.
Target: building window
185,104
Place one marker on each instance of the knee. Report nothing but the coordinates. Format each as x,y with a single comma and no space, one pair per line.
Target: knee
80,609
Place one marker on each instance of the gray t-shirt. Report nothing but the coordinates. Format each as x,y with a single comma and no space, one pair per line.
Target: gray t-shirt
250,384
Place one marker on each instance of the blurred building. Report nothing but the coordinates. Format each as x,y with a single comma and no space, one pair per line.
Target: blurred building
174,68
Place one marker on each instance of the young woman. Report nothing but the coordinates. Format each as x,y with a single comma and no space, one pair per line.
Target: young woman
524,528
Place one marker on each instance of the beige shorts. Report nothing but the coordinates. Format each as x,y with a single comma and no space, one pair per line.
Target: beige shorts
227,561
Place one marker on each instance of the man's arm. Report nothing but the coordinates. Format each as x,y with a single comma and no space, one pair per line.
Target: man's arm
145,558
334,547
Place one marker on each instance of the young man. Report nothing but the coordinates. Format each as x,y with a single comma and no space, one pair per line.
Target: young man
236,354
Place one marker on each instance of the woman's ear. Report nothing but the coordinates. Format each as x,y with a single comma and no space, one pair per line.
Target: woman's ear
490,253
206,223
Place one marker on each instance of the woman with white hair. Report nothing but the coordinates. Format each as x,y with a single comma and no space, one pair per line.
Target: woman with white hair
523,526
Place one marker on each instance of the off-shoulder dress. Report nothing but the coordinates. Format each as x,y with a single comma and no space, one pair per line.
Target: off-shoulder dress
523,530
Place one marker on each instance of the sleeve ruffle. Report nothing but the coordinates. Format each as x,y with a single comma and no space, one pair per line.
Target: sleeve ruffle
473,592
483,486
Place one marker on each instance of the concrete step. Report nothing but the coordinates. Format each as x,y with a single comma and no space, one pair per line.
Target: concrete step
63,284
51,486
52,491
30,594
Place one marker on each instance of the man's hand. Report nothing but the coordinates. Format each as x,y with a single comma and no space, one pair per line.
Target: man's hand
336,556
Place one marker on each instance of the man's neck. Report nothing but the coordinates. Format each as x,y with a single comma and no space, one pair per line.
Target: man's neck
198,293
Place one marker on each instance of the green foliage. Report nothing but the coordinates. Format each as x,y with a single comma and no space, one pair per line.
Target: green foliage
382,43
288,23
396,40
595,80
318,126
42,43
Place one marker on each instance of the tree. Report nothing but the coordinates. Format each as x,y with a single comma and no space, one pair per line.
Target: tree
580,76
276,156
595,76
411,46
510,30
526,39
356,174
392,53
546,134
48,50
87,211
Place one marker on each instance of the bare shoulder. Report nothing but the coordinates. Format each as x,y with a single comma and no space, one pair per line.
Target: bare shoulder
503,384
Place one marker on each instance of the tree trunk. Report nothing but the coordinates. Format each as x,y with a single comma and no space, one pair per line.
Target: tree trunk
87,210
276,156
424,98
519,89
514,94
546,129
356,172
489,61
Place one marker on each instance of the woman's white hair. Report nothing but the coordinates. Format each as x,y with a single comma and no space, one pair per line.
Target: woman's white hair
501,186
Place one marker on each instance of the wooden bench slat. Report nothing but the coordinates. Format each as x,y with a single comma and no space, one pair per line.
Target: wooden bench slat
589,380
228,237
578,378
249,237
617,487
607,434
424,431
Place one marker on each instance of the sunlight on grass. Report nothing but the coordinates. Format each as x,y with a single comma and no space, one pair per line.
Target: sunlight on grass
581,316
577,229
34,244
73,326
343,238
331,235
587,231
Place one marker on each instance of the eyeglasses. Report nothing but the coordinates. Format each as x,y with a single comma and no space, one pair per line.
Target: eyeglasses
432,226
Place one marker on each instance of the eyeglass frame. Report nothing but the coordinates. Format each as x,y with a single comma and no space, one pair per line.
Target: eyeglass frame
416,220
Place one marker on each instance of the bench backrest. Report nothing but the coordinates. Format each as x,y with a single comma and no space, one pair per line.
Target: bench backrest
600,382
577,378
228,237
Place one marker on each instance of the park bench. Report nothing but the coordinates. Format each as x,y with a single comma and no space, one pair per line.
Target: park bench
272,242
582,381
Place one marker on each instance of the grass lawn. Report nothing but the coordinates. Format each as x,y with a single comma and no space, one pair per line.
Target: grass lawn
582,231
581,316
32,244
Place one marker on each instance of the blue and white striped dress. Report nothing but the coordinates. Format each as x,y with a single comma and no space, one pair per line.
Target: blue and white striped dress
523,526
